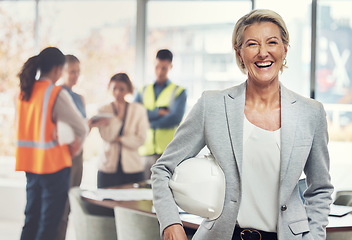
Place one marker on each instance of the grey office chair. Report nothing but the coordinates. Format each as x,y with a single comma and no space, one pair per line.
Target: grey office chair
88,226
135,225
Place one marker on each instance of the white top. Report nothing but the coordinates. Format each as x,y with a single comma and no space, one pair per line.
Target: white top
260,178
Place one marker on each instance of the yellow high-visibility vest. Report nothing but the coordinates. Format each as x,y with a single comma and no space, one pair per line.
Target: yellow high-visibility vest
158,139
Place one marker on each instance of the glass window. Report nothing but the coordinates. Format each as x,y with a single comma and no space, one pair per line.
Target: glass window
334,83
102,35
297,16
16,44
199,34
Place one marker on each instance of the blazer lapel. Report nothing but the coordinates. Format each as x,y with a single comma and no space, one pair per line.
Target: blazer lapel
234,107
289,118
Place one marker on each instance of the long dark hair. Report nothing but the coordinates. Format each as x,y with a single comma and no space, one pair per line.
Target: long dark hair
44,62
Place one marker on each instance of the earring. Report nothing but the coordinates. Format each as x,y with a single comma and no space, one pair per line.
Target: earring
242,65
284,62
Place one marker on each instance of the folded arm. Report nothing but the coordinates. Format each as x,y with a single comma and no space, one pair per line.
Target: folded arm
173,118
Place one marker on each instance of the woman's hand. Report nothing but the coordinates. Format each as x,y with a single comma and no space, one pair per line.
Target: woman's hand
116,140
98,123
75,147
55,135
175,232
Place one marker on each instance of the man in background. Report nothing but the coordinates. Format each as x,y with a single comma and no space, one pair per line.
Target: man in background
70,76
165,102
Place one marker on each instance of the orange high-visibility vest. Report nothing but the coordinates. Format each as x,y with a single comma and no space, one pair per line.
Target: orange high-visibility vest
37,151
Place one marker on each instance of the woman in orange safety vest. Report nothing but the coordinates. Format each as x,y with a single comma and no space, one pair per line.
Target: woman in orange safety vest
40,105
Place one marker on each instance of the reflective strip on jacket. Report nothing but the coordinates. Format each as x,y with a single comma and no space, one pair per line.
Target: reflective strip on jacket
37,151
157,139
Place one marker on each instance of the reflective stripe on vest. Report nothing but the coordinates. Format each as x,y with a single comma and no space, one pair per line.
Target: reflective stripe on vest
32,144
37,151
41,144
158,139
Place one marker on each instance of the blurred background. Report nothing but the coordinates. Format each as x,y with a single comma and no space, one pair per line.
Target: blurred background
109,36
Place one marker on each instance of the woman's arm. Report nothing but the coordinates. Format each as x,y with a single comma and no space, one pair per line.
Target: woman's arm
319,187
173,116
66,111
188,141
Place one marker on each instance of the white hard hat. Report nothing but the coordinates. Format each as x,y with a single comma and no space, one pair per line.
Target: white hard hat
198,186
65,133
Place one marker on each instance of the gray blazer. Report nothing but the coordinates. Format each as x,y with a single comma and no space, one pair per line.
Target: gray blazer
216,121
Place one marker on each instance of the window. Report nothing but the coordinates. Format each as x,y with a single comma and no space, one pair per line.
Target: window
297,16
16,44
100,33
199,34
334,76
334,83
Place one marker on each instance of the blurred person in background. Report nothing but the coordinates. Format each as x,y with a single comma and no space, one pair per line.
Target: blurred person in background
71,74
122,135
166,104
47,164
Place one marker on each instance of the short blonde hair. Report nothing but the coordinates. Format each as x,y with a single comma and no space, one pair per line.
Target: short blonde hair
256,16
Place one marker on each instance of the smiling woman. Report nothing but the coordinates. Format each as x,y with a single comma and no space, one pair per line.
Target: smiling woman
263,51
261,42
255,132
272,36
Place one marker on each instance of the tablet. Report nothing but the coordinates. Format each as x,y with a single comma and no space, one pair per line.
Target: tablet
339,210
99,116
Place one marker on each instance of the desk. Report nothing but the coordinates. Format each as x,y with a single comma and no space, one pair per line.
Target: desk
336,224
340,224
143,206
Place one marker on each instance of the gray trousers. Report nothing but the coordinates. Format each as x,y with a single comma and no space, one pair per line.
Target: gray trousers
75,180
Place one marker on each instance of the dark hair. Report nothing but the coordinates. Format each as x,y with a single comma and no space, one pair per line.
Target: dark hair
122,77
44,62
164,54
71,59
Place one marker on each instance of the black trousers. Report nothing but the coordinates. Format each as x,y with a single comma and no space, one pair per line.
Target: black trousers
109,180
252,234
118,178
